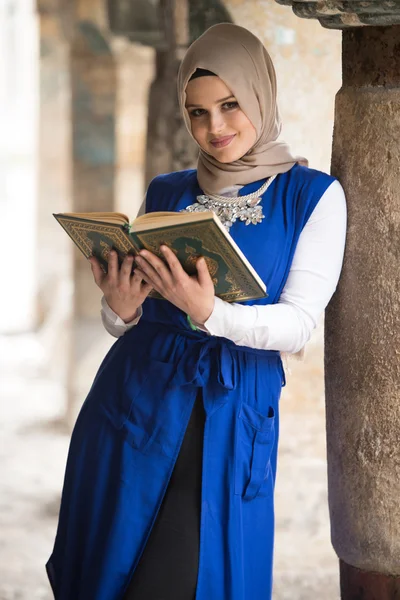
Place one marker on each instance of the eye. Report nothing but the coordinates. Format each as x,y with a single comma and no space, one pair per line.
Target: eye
230,105
197,112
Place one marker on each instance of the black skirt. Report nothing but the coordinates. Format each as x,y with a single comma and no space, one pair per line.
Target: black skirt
168,567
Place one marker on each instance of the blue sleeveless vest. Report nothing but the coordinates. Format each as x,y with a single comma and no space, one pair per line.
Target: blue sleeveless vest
129,431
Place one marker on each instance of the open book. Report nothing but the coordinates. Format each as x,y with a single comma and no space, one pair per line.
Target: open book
189,235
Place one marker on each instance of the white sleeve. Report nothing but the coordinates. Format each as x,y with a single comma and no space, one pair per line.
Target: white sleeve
312,280
111,321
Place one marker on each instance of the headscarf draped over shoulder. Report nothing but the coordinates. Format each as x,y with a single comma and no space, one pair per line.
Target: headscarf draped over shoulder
238,58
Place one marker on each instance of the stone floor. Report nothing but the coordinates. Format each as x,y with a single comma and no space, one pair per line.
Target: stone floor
33,451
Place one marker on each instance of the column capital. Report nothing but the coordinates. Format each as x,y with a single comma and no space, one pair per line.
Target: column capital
346,14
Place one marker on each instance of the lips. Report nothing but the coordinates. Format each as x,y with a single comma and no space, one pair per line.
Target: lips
222,141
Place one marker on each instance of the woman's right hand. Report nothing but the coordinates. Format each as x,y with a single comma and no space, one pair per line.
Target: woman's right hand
124,292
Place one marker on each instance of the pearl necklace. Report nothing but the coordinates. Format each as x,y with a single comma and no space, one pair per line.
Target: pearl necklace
245,208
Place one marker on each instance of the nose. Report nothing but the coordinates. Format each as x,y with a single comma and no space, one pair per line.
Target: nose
216,123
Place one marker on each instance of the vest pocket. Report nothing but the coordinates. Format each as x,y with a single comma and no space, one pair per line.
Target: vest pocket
255,436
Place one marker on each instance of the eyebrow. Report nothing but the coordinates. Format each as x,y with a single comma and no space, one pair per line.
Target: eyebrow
199,105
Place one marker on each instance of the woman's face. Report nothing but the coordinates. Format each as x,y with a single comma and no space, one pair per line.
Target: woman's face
218,124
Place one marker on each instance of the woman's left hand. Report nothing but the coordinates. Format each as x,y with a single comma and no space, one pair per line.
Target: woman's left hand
194,294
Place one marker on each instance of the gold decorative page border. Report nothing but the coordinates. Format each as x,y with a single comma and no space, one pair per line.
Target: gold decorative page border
76,230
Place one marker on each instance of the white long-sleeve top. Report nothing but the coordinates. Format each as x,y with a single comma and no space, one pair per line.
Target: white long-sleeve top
312,280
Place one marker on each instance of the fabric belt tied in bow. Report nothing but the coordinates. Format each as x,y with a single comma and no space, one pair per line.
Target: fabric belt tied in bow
204,357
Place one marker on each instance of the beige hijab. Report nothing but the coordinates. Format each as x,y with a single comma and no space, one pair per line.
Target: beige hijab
241,61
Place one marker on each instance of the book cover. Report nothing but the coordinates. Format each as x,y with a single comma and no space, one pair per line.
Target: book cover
234,280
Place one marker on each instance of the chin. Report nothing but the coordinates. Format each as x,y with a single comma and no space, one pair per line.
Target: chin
223,160
226,157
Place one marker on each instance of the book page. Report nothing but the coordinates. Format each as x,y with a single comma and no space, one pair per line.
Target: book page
104,217
152,219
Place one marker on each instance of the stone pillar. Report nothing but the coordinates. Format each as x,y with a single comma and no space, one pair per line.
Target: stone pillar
77,163
93,85
93,108
55,191
362,324
160,107
363,320
168,26
169,147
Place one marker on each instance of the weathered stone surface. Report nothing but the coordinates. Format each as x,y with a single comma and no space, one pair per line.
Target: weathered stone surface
362,355
139,20
363,65
204,14
343,14
169,146
356,584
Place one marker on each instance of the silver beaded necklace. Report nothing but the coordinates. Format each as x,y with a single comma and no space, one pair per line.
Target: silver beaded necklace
245,208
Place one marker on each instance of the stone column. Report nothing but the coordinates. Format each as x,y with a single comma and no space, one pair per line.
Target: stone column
76,166
362,324
169,147
55,251
93,163
93,86
168,26
363,320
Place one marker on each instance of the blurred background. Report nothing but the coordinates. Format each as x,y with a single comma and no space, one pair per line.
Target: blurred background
87,94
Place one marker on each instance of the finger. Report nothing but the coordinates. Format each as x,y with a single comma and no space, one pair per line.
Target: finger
113,268
146,289
137,279
126,269
203,274
146,278
173,263
152,276
139,274
97,271
139,284
159,266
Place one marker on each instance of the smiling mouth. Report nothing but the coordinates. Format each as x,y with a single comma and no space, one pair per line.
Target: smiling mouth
222,141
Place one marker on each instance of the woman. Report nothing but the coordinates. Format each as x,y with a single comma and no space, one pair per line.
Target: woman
169,484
